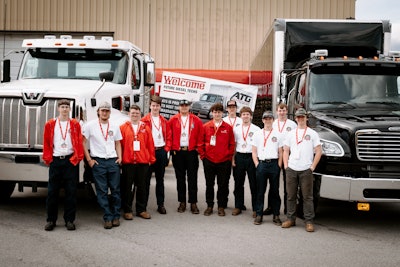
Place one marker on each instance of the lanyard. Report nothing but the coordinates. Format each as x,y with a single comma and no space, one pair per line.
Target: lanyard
216,128
230,122
297,140
283,126
266,139
247,133
135,133
101,128
63,136
159,123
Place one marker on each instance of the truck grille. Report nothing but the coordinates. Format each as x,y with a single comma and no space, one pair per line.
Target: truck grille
374,145
21,126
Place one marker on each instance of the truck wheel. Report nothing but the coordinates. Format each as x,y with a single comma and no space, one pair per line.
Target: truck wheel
6,190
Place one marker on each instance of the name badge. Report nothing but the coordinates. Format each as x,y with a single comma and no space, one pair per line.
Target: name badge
136,145
213,140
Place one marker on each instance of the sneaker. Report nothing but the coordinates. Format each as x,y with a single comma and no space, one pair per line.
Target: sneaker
221,211
258,220
288,224
107,225
115,222
277,221
267,211
194,209
236,211
182,207
208,211
50,226
70,226
162,210
309,227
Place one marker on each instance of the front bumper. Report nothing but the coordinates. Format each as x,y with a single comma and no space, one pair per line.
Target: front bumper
360,189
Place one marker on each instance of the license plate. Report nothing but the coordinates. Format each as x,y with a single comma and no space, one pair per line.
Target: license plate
363,206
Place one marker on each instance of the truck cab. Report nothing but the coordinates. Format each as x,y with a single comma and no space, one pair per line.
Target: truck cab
86,72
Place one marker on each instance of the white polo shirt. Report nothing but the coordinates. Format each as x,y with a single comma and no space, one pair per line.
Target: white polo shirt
301,143
102,138
267,143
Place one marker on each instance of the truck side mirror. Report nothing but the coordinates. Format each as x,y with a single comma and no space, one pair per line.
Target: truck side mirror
107,76
149,71
6,71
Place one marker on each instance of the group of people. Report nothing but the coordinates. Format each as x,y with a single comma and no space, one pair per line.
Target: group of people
123,158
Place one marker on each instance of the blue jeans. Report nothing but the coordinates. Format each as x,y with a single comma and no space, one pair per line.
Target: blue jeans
106,175
304,179
62,174
268,171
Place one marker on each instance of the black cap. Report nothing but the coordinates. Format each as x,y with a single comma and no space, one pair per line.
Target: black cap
184,102
231,103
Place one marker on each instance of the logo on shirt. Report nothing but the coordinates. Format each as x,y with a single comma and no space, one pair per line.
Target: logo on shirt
251,134
274,139
288,129
307,137
110,133
224,131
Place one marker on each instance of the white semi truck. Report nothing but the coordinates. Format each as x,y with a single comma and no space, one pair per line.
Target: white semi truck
343,74
85,71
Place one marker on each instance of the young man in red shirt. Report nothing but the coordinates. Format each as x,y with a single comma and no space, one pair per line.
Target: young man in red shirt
216,151
137,155
186,133
62,151
162,143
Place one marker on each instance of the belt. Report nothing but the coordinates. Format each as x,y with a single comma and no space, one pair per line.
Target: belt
184,148
62,157
267,160
160,147
244,154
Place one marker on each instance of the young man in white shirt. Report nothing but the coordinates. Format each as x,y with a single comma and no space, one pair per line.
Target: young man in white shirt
267,157
242,161
302,152
284,126
105,158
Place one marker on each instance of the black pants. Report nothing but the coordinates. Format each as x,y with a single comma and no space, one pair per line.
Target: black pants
186,163
159,171
244,164
223,172
134,176
62,174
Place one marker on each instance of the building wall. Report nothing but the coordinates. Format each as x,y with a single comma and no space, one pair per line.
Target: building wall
179,34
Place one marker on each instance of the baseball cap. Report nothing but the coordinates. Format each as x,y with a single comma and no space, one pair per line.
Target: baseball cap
300,112
184,102
267,114
231,103
104,105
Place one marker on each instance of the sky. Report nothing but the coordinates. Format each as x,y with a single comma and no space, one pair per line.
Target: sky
382,9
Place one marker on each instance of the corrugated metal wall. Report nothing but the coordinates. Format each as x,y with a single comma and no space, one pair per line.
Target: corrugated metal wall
180,34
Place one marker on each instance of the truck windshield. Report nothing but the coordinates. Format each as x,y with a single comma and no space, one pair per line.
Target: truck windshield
353,90
64,63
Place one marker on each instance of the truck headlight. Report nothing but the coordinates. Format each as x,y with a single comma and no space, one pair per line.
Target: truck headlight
332,149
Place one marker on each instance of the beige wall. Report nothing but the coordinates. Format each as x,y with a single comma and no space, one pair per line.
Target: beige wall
180,34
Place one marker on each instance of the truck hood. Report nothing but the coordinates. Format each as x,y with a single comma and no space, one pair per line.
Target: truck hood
356,119
51,88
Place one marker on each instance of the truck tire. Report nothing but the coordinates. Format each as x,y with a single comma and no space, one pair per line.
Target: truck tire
6,190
